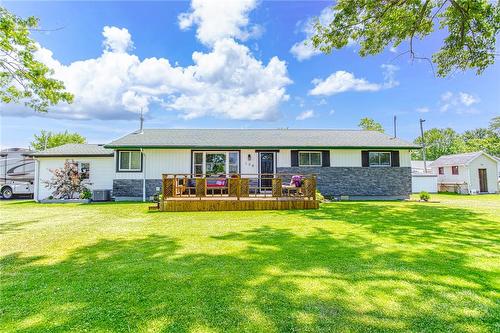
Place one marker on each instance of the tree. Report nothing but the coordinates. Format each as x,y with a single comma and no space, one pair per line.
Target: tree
46,140
495,124
66,181
368,124
482,139
470,26
22,78
439,142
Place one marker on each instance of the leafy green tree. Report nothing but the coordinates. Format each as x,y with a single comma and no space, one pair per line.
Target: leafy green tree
439,142
368,124
470,28
481,139
22,78
495,124
46,140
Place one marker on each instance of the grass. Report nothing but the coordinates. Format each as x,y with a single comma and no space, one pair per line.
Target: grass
347,267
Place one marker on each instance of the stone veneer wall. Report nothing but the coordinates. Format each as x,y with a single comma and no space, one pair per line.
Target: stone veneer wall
332,181
359,181
132,188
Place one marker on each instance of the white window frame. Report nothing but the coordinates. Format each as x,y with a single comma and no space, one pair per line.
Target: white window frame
309,152
129,169
380,165
204,163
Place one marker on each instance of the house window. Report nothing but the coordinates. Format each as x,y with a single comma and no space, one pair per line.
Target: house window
379,159
310,158
233,162
84,170
129,161
216,163
198,164
441,170
454,170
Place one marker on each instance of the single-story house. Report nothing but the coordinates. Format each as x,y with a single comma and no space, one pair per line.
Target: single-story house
470,173
354,163
422,180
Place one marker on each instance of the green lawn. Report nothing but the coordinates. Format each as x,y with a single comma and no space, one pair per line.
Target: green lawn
348,267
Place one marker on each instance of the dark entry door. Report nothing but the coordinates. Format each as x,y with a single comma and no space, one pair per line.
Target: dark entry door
483,181
266,169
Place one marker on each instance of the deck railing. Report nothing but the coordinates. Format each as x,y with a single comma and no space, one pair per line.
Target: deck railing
237,186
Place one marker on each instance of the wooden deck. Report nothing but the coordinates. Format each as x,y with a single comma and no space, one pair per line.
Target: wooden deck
225,203
236,192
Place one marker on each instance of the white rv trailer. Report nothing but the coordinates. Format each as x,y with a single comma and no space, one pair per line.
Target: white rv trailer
17,172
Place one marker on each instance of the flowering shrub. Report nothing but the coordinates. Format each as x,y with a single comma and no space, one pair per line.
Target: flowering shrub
66,181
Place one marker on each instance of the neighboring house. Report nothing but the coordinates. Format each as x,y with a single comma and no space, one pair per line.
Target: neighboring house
358,164
422,181
95,163
475,172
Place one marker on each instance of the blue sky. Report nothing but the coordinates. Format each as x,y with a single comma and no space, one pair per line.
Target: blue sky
240,65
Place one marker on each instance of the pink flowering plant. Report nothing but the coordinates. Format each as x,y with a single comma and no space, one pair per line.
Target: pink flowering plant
66,182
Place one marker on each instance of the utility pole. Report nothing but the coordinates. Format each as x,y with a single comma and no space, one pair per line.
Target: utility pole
423,143
395,124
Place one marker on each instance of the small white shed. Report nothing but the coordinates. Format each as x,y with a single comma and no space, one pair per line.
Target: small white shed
470,173
94,160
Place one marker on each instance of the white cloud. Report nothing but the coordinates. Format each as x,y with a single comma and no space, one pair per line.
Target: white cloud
304,49
461,102
389,72
226,82
116,39
342,81
423,109
393,49
233,84
305,115
332,111
468,99
219,19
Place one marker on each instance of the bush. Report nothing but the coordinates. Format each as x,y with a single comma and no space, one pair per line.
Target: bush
425,196
85,194
319,196
66,181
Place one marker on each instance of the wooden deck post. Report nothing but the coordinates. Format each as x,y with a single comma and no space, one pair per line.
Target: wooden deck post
168,187
201,187
277,188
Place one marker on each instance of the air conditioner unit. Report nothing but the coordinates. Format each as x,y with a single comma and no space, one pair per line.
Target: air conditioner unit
101,195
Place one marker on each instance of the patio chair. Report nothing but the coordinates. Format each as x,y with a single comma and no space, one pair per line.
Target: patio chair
295,186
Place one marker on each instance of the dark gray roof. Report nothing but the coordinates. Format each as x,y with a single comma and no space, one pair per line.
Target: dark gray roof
75,149
258,138
456,159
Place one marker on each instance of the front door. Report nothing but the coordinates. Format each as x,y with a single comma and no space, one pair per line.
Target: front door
266,170
483,181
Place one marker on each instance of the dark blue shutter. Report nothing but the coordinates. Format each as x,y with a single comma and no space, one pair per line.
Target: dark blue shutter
365,158
295,158
395,158
325,158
